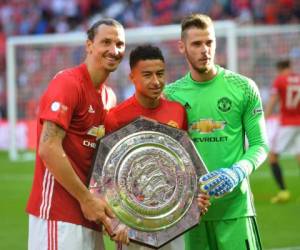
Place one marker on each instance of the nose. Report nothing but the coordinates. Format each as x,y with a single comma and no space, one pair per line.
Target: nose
204,48
156,81
113,49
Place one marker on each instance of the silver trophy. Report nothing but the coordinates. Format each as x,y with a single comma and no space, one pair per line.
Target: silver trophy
148,172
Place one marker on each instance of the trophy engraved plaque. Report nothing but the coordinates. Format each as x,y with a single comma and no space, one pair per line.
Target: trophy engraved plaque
148,172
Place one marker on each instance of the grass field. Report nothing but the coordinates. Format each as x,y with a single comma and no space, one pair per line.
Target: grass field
279,224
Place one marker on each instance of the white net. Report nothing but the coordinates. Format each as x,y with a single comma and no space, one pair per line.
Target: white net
33,61
38,63
260,48
36,66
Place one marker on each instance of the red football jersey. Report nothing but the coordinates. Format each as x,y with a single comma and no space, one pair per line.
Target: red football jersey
72,102
167,112
288,89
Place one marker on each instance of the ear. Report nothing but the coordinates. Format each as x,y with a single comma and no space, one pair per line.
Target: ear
88,45
181,46
130,76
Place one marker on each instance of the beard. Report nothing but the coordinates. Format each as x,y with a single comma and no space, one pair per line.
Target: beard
201,70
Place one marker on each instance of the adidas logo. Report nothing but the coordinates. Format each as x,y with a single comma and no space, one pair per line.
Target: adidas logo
187,105
91,110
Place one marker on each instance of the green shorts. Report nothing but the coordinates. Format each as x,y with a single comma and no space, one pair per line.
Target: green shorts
233,234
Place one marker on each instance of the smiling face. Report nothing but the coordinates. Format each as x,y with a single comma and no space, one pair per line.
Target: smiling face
148,77
199,47
106,50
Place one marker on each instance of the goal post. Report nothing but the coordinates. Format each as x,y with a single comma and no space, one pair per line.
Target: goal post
33,60
11,72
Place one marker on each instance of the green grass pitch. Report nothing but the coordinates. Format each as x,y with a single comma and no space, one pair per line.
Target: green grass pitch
279,224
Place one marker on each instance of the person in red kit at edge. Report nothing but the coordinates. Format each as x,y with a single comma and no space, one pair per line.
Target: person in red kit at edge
148,75
63,214
285,91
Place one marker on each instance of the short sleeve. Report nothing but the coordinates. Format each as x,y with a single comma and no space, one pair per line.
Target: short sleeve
60,100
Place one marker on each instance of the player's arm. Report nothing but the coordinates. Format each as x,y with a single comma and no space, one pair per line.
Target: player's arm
53,155
224,180
255,128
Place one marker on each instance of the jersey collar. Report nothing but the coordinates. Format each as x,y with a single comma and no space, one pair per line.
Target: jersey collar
220,72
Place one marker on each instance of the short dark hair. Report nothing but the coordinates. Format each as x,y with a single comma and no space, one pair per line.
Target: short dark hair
283,64
144,52
200,21
91,32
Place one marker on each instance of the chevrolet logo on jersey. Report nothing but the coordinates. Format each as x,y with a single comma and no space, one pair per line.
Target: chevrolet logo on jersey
98,132
205,126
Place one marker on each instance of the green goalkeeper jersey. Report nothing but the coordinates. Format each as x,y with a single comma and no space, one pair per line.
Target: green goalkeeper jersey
221,113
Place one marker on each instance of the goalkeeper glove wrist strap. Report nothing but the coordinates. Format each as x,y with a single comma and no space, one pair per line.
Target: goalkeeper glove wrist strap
242,169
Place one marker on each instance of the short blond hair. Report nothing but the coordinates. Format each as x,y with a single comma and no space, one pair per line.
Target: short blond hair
200,21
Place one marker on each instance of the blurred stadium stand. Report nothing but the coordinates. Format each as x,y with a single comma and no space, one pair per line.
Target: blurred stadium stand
37,65
25,17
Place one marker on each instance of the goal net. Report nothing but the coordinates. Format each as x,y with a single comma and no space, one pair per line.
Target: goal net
32,61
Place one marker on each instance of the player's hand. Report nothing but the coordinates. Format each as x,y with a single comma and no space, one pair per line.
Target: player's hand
95,209
121,234
222,181
203,202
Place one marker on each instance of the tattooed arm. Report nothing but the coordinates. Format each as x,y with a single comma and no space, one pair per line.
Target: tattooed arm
53,155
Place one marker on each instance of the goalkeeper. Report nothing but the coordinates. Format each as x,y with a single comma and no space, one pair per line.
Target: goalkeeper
222,108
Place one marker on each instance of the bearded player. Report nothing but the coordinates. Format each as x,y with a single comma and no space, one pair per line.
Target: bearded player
222,108
63,214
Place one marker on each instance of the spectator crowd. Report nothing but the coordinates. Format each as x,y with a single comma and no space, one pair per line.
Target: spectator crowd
29,17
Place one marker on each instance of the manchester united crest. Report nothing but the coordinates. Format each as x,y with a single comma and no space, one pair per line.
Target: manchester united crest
224,104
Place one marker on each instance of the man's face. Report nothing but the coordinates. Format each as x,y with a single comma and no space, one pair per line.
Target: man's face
148,77
199,47
107,48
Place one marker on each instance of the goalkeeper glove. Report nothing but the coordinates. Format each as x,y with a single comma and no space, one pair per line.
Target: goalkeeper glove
222,181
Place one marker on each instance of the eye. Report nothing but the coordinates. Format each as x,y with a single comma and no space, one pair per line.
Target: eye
106,42
147,75
196,43
160,74
209,43
120,44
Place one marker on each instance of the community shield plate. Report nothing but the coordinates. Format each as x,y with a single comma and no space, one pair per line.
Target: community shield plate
148,172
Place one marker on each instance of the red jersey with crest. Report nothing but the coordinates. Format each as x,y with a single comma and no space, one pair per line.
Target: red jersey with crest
168,112
72,102
288,89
